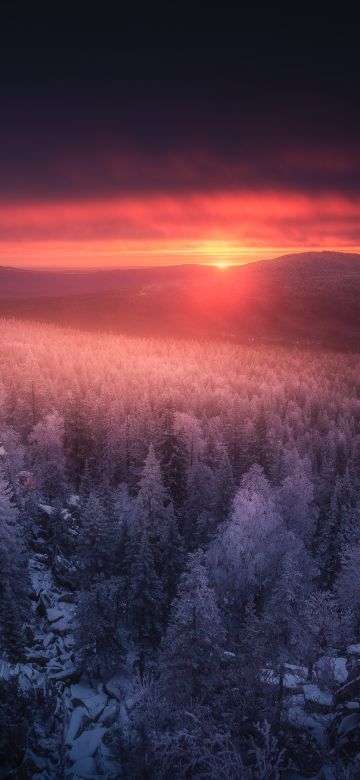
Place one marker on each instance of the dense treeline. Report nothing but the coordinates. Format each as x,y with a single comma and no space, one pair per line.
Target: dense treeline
205,509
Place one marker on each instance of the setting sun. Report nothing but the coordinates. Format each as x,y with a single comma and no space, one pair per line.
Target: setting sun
222,265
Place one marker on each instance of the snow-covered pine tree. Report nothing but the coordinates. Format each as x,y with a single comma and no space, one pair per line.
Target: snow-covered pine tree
13,572
12,626
154,510
223,483
284,608
100,635
77,441
171,449
199,504
347,585
146,599
328,627
192,646
47,455
96,539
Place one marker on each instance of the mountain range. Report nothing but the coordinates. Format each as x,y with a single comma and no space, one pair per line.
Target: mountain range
307,298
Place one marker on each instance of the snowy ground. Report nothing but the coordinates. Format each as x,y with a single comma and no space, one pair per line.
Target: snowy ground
90,711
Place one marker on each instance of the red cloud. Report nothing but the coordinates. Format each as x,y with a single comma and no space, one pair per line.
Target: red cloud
183,227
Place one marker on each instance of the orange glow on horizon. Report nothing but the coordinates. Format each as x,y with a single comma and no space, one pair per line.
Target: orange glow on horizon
220,229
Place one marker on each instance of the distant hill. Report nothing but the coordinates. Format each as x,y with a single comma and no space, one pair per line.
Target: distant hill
310,298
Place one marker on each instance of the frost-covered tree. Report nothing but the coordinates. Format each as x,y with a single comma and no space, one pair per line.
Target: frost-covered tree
348,582
337,530
100,635
283,614
244,551
12,613
154,510
223,486
327,626
9,531
171,449
95,542
12,453
13,574
295,501
47,455
199,503
61,532
78,443
145,599
192,647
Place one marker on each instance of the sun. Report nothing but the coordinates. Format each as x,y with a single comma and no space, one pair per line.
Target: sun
222,265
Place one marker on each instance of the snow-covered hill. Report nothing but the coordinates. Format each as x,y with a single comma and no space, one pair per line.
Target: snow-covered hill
308,297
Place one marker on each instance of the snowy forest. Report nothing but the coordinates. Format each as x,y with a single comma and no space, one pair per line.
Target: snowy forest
179,558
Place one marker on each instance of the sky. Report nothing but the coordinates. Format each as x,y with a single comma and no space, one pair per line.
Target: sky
177,137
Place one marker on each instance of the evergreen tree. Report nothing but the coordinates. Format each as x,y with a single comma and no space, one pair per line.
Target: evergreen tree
223,483
154,510
47,454
327,626
12,640
347,585
86,485
263,449
172,455
254,653
191,651
247,547
173,559
146,599
13,574
199,504
336,530
100,636
283,612
77,442
96,539
9,531
295,500
60,539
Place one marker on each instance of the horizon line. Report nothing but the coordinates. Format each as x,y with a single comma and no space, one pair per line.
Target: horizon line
224,262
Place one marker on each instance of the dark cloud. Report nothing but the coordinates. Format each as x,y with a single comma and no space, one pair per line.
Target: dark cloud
101,106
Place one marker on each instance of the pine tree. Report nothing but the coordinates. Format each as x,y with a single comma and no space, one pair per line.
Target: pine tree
191,649
78,445
100,636
172,454
335,531
245,549
60,539
47,454
86,483
96,539
12,639
154,510
327,627
13,574
263,452
347,585
283,622
254,653
152,498
173,559
146,599
11,546
223,483
199,504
